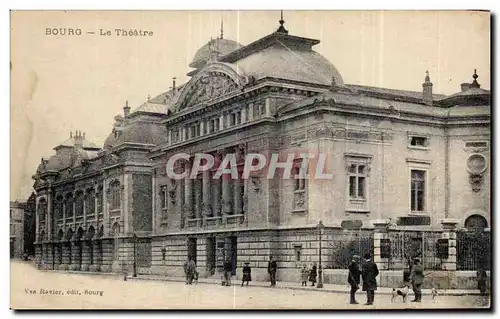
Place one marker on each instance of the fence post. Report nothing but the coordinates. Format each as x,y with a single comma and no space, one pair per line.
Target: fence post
449,232
380,228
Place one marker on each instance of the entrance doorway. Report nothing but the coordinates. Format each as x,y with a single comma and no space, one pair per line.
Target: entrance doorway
191,245
210,255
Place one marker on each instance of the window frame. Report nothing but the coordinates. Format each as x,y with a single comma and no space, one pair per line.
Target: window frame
425,166
357,204
426,138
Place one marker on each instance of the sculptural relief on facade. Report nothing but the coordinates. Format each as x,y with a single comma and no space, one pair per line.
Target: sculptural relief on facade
208,87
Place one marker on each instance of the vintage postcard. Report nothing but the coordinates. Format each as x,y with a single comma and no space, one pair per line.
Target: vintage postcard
250,160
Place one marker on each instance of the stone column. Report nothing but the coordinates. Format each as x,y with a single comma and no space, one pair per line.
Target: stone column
237,196
216,197
226,195
380,228
169,138
202,127
207,207
188,200
198,202
268,107
449,232
243,115
250,112
221,122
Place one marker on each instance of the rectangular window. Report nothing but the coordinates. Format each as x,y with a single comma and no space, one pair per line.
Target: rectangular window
232,119
175,136
418,141
357,178
417,192
163,197
476,144
298,252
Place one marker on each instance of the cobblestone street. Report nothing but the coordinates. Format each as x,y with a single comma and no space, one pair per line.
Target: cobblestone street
32,288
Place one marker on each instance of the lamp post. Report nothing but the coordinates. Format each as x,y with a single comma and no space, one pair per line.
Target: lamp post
320,267
135,256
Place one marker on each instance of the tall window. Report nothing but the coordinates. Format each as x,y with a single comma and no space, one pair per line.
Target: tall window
114,190
357,181
42,209
90,204
79,203
58,212
299,198
175,136
99,200
68,205
417,190
163,197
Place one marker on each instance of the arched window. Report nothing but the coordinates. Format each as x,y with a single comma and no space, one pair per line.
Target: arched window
90,202
79,203
114,190
42,209
475,222
68,205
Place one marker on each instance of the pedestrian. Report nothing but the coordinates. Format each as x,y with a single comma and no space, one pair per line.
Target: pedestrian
482,277
313,274
228,269
272,267
354,278
247,274
369,273
189,270
416,279
304,275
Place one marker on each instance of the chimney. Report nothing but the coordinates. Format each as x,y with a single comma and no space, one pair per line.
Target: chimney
126,110
78,139
427,89
465,86
173,83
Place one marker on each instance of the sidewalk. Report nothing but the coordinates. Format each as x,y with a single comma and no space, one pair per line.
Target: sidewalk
296,286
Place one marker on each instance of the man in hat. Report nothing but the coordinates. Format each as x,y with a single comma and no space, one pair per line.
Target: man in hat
417,278
354,277
247,274
369,274
271,270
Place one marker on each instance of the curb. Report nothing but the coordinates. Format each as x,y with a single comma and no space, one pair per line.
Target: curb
331,290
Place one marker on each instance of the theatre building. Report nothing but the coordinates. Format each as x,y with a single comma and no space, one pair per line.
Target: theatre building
398,160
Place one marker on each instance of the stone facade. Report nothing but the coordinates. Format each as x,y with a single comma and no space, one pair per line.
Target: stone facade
410,159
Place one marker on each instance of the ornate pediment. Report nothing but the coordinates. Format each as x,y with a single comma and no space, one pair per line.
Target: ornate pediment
215,81
208,87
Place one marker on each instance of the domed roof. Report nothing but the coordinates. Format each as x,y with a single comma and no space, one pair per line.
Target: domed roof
137,132
221,46
279,61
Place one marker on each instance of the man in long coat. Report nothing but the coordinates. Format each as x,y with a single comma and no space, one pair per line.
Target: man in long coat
228,269
416,279
189,270
272,267
354,278
369,274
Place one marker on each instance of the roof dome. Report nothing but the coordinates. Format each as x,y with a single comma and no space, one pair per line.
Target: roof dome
221,46
279,61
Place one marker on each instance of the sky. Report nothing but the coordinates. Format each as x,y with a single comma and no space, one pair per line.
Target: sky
67,83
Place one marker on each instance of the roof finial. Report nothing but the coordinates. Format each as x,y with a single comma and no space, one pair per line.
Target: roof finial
70,134
282,29
173,83
474,83
149,97
221,27
427,77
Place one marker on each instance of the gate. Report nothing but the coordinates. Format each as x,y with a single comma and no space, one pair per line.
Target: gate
473,250
143,247
406,245
345,244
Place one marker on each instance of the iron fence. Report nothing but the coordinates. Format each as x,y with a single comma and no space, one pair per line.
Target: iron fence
406,245
473,250
345,244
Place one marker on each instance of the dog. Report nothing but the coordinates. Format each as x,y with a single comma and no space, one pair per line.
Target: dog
402,291
434,294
